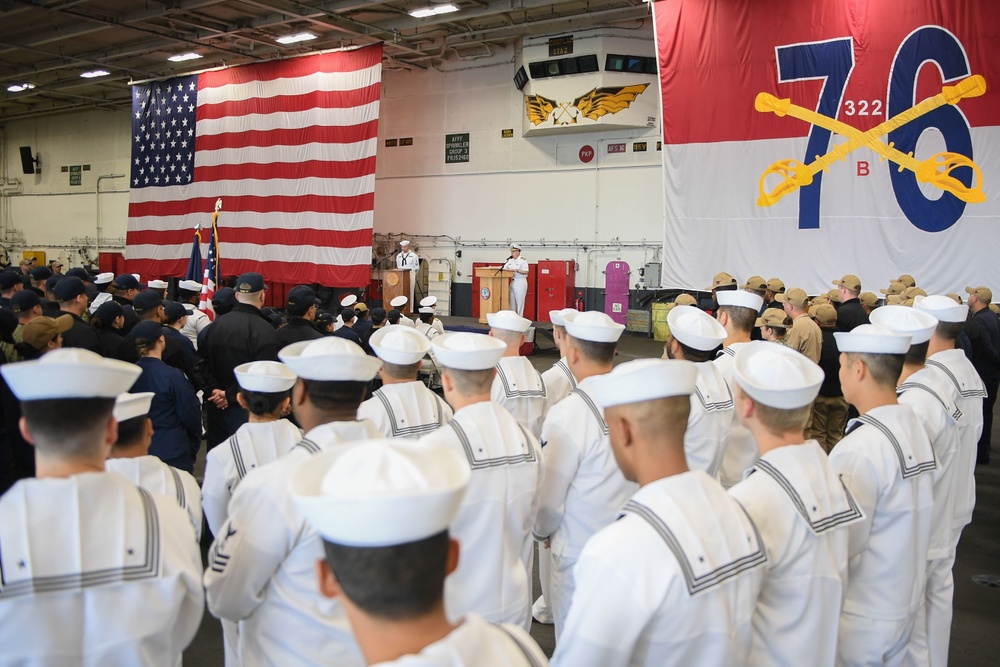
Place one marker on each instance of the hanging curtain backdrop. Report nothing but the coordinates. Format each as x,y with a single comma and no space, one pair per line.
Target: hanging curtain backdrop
288,145
798,143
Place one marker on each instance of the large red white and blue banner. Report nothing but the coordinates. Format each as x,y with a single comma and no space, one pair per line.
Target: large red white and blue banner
289,146
809,139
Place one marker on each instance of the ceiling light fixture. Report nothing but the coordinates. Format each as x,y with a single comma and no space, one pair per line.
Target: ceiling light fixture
184,56
93,74
433,11
20,87
297,37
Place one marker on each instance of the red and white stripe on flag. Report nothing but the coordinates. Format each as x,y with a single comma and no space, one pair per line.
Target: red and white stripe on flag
290,148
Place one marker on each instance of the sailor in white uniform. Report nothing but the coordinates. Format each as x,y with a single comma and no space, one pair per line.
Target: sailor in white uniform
519,283
130,458
934,403
431,302
383,509
498,510
398,303
196,319
887,464
694,336
583,488
558,380
426,323
952,366
96,571
265,393
656,588
262,564
403,407
517,385
407,259
799,505
737,314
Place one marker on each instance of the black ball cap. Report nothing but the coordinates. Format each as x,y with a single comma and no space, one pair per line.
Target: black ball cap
51,283
147,330
144,301
9,279
79,272
249,283
24,301
224,298
126,281
41,273
174,311
69,288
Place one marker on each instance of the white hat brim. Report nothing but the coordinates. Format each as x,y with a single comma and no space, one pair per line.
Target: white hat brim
485,356
764,383
645,380
740,299
73,375
337,367
396,355
873,339
944,312
278,378
679,316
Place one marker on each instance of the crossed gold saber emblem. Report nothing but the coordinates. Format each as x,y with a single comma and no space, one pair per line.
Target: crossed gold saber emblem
935,170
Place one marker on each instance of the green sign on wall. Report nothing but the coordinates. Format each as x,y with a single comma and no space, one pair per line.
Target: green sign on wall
456,148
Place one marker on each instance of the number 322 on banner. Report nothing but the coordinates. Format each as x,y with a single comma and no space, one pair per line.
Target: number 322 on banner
953,171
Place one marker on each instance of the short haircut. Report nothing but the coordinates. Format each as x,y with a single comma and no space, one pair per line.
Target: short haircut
779,421
393,316
884,368
602,353
397,582
334,394
506,335
470,382
66,427
697,356
263,403
347,314
378,317
401,371
426,318
131,430
742,318
917,354
949,330
659,418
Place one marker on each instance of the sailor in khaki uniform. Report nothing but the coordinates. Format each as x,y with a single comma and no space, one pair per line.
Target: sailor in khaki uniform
403,407
517,385
887,464
130,458
656,588
694,336
265,392
934,402
498,510
96,571
800,506
261,569
398,303
737,314
583,487
804,334
383,509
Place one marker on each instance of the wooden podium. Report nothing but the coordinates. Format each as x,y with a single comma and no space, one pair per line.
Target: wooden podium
395,282
494,291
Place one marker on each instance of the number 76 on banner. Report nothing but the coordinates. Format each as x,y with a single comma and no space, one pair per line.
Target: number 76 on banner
953,171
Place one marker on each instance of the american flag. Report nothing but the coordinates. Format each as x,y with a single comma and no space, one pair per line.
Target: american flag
289,145
211,278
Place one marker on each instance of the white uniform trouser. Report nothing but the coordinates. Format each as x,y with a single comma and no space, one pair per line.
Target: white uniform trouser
932,631
541,610
561,587
231,642
518,290
414,306
868,642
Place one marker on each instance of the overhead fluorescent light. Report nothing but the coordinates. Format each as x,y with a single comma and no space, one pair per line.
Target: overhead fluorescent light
20,87
298,37
181,57
433,11
93,74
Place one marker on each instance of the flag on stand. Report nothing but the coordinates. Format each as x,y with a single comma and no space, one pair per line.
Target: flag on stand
211,278
290,145
194,264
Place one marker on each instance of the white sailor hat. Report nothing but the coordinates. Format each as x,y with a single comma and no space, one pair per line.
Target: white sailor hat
426,310
404,243
70,372
509,320
330,359
379,493
645,380
190,285
399,344
740,299
695,328
99,301
592,325
270,377
872,339
349,300
105,278
465,351
137,277
918,324
558,316
129,406
399,301
429,301
158,284
776,375
944,308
